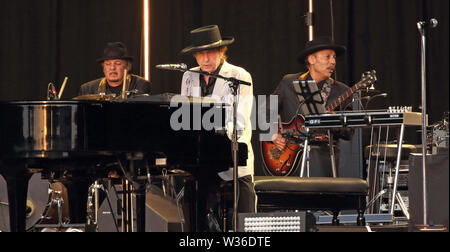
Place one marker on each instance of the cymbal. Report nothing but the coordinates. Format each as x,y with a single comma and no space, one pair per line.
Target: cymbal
95,97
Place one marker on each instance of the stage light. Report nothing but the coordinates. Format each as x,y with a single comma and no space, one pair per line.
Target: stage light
273,222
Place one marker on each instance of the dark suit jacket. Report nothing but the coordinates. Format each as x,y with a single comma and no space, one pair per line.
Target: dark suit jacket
137,83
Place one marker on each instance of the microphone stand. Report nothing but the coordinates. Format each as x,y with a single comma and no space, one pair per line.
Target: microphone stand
234,85
235,149
422,27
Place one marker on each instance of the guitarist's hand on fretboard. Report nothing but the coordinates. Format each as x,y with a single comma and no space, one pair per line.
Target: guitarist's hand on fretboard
279,141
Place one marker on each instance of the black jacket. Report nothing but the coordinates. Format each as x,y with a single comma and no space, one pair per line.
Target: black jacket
137,83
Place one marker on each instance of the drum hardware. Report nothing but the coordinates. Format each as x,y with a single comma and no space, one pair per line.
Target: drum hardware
94,203
95,97
133,183
57,199
56,217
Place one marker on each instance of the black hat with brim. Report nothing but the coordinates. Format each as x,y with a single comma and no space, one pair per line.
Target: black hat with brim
115,50
206,38
319,44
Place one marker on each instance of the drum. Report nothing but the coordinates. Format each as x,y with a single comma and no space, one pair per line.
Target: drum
57,208
36,202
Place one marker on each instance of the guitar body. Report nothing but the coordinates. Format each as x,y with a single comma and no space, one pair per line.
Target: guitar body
285,162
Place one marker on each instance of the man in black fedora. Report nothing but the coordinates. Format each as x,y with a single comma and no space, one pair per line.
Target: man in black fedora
319,57
114,62
209,50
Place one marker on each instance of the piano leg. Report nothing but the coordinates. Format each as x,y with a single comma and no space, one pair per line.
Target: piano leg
17,184
77,191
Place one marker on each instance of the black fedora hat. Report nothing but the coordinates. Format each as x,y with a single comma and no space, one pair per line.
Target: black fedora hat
318,44
206,38
115,50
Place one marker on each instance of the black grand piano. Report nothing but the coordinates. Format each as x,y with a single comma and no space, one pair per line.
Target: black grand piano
76,141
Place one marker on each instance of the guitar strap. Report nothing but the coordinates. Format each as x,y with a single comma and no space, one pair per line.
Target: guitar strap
303,76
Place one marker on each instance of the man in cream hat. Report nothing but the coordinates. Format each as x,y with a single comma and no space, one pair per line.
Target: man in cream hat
209,50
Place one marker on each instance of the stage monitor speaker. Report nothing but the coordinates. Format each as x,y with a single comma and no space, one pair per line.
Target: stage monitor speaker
162,214
437,189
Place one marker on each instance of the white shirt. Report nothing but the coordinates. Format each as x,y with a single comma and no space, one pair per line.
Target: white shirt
190,86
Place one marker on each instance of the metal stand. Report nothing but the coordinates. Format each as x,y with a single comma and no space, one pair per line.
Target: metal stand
310,20
235,149
392,182
127,207
58,201
134,182
422,27
397,169
332,154
305,157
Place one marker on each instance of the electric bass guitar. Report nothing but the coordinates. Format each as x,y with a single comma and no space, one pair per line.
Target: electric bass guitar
285,162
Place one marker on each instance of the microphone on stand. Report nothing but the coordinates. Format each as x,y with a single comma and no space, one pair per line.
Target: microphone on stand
375,96
175,67
51,92
433,23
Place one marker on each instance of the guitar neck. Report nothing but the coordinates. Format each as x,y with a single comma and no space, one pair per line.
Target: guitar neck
343,97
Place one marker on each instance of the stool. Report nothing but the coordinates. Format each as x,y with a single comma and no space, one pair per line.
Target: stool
314,193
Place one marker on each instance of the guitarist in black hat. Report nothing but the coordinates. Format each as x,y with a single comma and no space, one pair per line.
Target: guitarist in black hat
114,62
319,56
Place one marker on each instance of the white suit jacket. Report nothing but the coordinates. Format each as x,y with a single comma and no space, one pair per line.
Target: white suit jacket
190,86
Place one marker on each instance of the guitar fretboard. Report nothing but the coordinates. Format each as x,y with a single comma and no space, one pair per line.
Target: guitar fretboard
342,98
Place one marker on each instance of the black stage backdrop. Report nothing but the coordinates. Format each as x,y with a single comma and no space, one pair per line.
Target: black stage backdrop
44,41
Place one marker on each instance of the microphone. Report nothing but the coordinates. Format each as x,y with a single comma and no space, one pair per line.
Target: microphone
433,23
176,67
51,92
